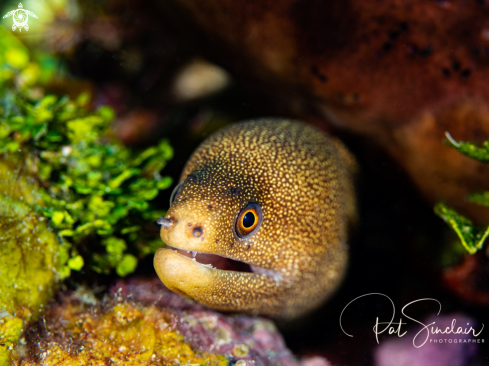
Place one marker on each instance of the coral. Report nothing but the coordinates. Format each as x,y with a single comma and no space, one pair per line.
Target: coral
236,336
143,323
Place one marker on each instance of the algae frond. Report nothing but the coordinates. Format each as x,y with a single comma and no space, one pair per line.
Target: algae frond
471,236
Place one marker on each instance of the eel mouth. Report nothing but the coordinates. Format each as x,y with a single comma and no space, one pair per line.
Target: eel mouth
214,261
218,282
194,274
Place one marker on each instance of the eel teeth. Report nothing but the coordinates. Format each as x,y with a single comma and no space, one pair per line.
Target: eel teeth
194,253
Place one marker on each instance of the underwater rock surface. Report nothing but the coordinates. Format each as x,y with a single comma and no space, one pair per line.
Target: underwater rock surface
143,323
28,257
399,73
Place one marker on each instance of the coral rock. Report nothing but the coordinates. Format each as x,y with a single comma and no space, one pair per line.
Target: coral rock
143,323
400,73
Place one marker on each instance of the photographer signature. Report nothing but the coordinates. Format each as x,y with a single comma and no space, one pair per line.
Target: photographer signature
427,329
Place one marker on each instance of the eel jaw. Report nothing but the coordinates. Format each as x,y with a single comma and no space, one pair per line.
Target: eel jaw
180,273
216,288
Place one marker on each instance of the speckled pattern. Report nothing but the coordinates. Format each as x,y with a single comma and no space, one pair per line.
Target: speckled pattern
302,180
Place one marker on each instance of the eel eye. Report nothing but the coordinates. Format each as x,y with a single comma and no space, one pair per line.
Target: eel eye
249,220
175,192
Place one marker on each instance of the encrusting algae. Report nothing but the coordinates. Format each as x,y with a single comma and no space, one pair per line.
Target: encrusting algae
124,333
28,257
140,322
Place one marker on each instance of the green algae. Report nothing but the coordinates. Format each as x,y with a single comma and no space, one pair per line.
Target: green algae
66,182
479,153
471,237
94,189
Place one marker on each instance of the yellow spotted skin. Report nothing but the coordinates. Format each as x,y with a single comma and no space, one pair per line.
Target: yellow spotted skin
302,181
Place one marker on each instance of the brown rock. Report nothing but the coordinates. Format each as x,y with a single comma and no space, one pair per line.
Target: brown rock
398,72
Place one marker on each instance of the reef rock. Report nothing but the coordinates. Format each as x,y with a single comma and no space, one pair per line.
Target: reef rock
143,323
400,73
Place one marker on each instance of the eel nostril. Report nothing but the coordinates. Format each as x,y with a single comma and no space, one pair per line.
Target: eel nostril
198,232
167,223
